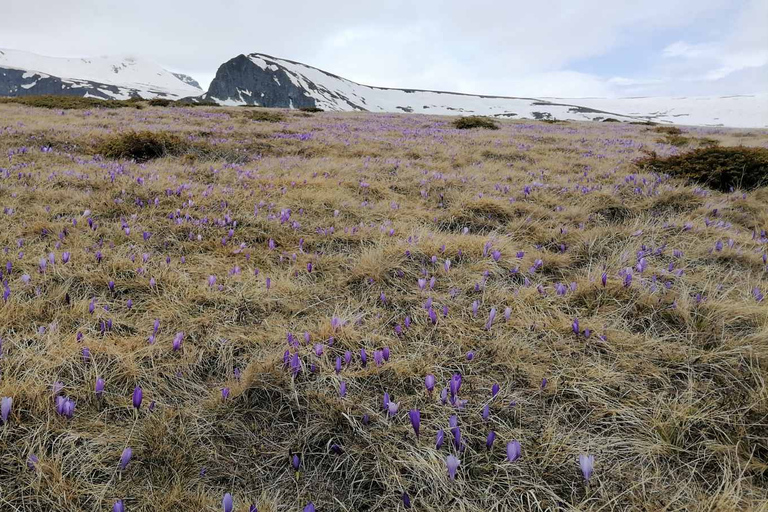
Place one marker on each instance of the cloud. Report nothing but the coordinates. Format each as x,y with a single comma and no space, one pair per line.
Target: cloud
484,46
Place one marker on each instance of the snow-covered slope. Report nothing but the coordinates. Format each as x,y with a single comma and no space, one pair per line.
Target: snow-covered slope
24,73
259,79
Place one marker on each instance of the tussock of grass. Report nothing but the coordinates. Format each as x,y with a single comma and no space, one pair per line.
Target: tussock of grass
667,391
469,122
720,168
265,116
142,146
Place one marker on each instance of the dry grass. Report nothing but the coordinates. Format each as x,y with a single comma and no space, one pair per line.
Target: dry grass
668,392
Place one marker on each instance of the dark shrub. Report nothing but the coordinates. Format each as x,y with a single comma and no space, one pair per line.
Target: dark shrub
668,130
160,102
720,168
142,146
265,116
469,122
675,140
67,102
311,109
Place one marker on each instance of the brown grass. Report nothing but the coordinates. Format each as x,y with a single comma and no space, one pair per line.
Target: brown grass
672,402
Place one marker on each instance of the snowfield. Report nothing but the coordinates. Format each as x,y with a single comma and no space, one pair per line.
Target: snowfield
148,79
334,93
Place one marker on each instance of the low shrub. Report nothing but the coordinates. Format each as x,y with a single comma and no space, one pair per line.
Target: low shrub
668,130
720,168
265,116
469,122
160,102
311,109
67,102
142,146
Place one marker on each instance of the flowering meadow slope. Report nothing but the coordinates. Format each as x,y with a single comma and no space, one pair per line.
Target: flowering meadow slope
348,312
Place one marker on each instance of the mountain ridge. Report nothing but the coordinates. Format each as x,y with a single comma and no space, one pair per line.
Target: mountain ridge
264,80
107,77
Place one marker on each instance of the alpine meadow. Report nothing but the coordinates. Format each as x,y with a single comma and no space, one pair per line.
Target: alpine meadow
232,308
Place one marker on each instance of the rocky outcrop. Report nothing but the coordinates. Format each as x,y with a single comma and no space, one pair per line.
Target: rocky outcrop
243,82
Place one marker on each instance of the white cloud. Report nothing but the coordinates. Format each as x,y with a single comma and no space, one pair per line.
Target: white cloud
483,46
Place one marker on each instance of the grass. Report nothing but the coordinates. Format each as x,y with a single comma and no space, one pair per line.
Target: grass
69,102
667,392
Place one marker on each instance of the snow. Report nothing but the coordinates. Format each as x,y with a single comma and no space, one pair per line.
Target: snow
146,78
338,94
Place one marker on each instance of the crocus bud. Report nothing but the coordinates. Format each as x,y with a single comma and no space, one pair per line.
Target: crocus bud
138,395
415,417
452,463
587,465
99,387
429,382
513,451
490,439
227,503
5,408
125,458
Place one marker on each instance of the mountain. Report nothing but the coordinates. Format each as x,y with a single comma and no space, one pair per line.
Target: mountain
259,79
26,74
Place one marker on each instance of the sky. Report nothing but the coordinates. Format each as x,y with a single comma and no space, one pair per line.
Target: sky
560,48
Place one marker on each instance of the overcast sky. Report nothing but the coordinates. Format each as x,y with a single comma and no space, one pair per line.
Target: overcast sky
565,48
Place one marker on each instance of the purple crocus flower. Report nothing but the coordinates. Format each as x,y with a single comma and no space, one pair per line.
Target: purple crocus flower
604,278
5,408
363,357
310,507
295,462
440,439
456,431
393,407
125,458
587,465
486,412
32,461
429,382
513,451
118,506
415,416
99,387
225,393
177,341
337,366
490,439
65,257
343,389
575,326
406,500
227,503
211,281
453,464
138,395
491,317
495,390
86,354
455,384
